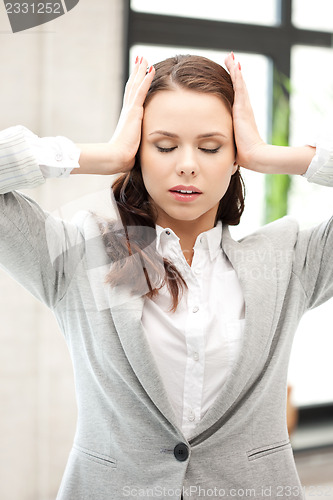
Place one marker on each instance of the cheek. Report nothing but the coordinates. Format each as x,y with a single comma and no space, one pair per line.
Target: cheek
149,173
145,177
226,166
147,158
144,162
154,166
224,179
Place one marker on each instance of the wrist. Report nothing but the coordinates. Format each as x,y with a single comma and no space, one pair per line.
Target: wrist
99,159
255,157
271,159
119,160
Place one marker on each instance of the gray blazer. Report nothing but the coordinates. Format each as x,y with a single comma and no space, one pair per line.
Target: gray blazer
127,443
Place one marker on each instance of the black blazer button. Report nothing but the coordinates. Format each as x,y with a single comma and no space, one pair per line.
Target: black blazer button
181,452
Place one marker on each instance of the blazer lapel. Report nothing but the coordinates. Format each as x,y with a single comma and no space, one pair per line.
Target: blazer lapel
126,313
254,262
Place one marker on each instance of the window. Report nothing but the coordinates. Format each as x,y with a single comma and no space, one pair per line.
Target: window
278,38
313,15
311,96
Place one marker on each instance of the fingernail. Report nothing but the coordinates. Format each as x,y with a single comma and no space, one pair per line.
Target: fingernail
239,66
233,55
136,60
150,69
141,60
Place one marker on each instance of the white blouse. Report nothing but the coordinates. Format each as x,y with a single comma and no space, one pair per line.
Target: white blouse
195,347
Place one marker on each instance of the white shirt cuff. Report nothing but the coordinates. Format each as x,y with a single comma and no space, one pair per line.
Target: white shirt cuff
320,170
56,156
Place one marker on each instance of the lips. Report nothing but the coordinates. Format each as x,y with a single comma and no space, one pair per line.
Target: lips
192,189
183,197
182,192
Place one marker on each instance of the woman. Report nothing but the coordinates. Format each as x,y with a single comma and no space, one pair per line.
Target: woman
180,357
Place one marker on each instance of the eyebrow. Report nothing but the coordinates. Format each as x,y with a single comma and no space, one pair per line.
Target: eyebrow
201,136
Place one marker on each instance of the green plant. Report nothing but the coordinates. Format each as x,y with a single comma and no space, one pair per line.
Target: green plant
277,186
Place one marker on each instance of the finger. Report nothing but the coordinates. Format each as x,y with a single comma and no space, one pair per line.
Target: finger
228,60
141,73
240,86
131,79
242,98
138,77
231,65
234,68
144,87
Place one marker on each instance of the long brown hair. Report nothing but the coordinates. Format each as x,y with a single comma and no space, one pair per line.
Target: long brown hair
132,248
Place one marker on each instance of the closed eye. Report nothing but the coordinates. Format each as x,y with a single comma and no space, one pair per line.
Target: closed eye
165,150
206,150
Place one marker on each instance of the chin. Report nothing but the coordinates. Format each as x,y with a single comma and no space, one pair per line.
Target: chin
184,218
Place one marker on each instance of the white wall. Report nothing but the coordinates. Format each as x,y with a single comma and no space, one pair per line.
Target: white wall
62,78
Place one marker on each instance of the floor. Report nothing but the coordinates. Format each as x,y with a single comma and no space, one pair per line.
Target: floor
315,469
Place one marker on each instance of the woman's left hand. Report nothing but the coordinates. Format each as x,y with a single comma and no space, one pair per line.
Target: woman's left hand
248,141
252,152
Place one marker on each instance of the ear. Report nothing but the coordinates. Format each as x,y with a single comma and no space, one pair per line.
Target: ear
235,168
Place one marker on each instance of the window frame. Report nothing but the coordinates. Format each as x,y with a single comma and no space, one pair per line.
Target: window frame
274,42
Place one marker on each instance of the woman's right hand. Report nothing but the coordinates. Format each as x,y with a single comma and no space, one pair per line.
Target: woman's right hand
118,155
126,138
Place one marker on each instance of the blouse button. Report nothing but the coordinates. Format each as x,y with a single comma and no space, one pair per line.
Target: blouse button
195,356
191,416
195,309
197,271
58,156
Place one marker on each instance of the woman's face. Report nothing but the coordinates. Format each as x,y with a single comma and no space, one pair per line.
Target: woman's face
187,140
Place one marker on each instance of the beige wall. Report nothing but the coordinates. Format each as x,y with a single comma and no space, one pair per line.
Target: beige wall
63,78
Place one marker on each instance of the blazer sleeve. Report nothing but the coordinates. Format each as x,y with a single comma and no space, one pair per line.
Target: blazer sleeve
38,250
313,262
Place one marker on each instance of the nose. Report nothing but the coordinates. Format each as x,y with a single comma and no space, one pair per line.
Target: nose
187,163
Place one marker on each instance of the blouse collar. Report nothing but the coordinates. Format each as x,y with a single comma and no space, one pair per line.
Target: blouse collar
208,240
